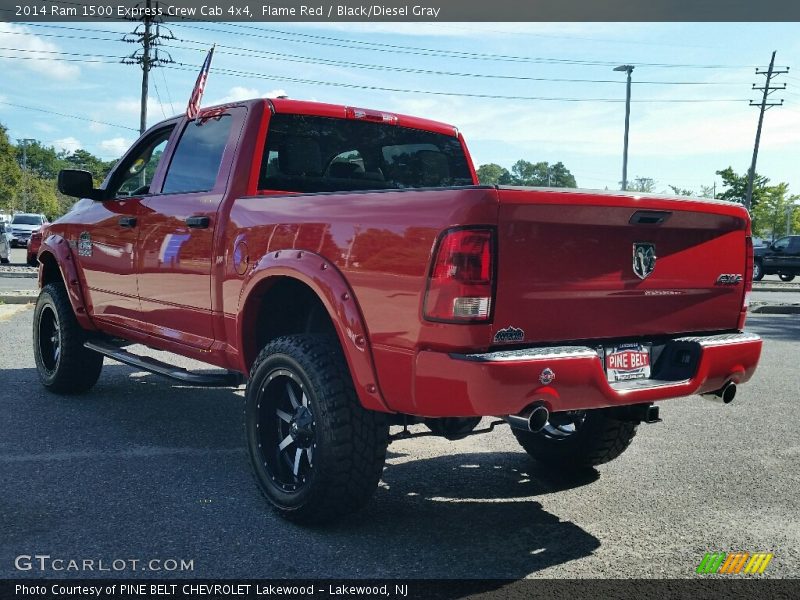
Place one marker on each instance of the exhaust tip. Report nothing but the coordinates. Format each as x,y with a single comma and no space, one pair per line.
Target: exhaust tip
538,418
728,393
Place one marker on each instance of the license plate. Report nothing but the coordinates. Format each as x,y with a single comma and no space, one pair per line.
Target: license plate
627,361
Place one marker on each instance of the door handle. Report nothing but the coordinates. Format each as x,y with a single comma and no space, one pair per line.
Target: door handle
198,222
128,222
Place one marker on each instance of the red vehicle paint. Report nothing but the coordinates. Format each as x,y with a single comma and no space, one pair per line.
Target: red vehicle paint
33,245
450,300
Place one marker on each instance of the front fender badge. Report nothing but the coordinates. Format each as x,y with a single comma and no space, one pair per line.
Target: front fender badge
547,376
85,244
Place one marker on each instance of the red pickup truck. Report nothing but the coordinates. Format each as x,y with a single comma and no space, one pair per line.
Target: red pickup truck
348,266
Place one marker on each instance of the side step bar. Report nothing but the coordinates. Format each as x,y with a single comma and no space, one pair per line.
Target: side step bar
226,379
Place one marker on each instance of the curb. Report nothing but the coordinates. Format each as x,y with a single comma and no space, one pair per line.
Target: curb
17,299
776,309
12,275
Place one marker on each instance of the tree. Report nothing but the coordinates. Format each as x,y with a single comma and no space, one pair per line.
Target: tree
681,191
736,187
769,217
493,174
541,174
43,161
10,173
84,160
642,184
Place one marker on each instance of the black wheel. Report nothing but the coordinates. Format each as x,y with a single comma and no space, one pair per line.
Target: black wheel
786,277
316,453
577,440
64,365
758,271
32,262
4,261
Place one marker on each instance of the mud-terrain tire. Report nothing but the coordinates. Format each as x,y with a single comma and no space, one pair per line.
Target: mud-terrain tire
599,438
758,271
316,453
64,365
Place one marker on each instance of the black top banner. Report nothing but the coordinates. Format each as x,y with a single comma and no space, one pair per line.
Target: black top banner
401,11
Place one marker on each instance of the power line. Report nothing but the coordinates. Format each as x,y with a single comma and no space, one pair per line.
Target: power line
273,77
69,116
413,50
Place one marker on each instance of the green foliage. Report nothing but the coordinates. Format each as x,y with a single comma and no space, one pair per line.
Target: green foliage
493,174
679,191
10,173
645,185
736,187
771,214
34,188
540,174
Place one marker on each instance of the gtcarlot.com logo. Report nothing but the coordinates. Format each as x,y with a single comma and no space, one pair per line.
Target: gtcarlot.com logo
733,563
46,563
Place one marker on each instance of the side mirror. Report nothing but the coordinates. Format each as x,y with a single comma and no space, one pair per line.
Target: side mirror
79,184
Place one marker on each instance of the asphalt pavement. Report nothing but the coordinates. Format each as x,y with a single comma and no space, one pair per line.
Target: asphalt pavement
141,468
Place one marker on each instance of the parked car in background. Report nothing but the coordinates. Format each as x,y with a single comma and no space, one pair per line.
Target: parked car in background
34,243
781,258
5,243
22,225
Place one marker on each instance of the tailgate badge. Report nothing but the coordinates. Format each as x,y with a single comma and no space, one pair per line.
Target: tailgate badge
509,334
729,279
644,259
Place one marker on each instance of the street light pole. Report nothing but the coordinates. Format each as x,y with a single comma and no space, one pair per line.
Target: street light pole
627,69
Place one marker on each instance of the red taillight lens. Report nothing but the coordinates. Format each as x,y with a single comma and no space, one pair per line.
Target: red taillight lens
461,282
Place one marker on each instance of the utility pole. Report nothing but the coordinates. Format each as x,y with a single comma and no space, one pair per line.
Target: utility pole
764,105
149,35
26,188
627,69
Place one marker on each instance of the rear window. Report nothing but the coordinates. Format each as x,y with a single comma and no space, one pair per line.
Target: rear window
321,154
27,220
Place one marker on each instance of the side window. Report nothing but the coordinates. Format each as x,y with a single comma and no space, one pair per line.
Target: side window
136,175
782,243
197,158
794,245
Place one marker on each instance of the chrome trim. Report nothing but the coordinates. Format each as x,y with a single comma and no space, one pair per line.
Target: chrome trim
722,339
546,353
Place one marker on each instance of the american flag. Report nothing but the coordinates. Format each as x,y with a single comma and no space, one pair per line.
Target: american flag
199,87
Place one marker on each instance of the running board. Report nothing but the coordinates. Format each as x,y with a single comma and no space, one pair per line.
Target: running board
226,379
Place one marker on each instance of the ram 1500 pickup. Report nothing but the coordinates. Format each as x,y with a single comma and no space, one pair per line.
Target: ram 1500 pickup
348,266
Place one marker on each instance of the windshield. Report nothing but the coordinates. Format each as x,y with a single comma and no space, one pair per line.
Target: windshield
321,154
27,220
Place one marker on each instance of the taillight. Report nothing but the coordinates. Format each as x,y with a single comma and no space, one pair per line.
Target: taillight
461,281
748,279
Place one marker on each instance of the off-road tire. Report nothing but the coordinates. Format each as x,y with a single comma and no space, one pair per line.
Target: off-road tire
73,369
758,271
349,442
599,439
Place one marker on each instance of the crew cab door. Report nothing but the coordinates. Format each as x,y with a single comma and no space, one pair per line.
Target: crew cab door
107,237
779,255
176,234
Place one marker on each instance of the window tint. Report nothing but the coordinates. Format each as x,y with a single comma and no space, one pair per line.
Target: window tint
794,245
197,158
27,220
320,154
134,176
782,243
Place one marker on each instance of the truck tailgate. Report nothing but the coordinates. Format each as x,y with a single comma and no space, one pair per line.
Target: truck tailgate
566,265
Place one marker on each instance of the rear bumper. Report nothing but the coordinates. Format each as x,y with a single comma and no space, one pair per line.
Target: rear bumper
503,383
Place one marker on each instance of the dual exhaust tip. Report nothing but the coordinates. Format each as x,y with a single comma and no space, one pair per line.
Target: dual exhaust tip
724,395
532,419
535,418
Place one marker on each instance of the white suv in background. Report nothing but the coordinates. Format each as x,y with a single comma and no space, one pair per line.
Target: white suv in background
5,243
23,225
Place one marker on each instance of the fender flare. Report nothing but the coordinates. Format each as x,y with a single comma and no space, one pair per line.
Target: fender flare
61,252
330,286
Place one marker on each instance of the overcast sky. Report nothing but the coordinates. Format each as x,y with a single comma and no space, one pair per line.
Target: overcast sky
679,143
